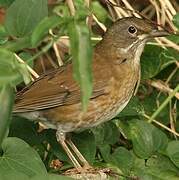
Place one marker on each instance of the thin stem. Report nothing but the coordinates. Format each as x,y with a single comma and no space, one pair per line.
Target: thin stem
162,106
162,125
71,7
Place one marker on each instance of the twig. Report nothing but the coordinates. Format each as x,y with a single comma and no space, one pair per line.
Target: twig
87,2
71,7
164,104
172,120
161,125
49,58
59,59
172,44
128,6
28,67
177,63
162,86
118,9
170,6
101,25
171,75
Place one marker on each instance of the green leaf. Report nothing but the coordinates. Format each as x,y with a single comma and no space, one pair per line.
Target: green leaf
99,11
81,11
24,15
123,159
18,156
29,133
8,71
5,3
6,103
85,142
167,57
18,44
43,27
105,150
158,167
3,35
150,105
160,162
142,138
11,71
81,50
123,127
106,133
176,20
132,109
173,152
150,61
11,175
160,140
158,175
154,59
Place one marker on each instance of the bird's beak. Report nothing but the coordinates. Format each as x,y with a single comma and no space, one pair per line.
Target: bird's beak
158,33
153,34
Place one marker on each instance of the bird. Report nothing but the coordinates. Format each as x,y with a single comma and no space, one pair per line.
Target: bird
54,98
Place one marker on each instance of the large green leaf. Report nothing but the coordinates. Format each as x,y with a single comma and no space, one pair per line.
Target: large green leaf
150,62
5,3
173,152
106,133
11,175
146,138
142,139
81,50
158,167
18,156
123,159
6,103
160,139
154,59
29,133
24,15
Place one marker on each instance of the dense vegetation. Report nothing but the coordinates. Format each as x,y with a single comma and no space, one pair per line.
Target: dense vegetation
141,142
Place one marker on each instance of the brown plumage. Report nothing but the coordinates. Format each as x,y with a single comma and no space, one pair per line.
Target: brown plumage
54,98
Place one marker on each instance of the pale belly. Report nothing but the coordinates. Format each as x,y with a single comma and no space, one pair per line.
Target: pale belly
77,122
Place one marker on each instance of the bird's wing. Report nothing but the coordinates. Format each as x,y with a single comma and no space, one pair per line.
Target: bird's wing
54,89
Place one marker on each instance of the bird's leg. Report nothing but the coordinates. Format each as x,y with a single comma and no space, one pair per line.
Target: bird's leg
78,154
61,138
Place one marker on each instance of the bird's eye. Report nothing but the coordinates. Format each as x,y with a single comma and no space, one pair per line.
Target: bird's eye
132,30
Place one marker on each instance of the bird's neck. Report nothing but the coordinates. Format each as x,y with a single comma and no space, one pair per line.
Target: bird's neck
114,52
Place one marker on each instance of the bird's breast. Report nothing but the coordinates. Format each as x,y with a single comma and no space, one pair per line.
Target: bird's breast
100,109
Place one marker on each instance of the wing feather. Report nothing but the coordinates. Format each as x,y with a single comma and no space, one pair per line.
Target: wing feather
56,88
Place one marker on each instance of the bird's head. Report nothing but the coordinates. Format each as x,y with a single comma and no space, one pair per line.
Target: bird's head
128,36
131,31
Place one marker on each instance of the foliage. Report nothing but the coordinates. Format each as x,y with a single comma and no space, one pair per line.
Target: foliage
128,144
